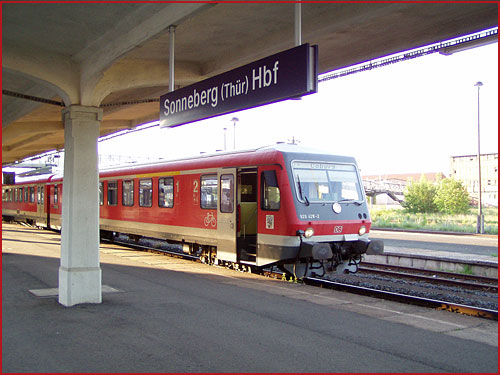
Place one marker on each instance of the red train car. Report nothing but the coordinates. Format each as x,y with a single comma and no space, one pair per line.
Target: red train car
36,201
304,211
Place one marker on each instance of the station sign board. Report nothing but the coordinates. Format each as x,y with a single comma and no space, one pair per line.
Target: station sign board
288,74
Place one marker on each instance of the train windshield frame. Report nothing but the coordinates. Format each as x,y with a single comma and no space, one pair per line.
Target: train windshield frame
326,182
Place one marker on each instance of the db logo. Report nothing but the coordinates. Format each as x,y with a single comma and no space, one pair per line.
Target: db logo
338,229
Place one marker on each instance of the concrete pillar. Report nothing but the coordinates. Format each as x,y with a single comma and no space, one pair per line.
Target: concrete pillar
80,271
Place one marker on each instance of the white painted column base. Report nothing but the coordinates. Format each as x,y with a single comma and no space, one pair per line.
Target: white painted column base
79,285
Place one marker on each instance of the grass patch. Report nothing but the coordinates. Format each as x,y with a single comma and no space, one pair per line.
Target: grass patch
467,270
401,219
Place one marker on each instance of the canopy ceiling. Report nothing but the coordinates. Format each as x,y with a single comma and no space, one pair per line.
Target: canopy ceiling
106,54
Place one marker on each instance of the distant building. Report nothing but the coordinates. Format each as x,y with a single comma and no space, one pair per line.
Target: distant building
389,189
465,168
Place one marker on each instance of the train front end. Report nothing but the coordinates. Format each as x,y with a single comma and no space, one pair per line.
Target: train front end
332,221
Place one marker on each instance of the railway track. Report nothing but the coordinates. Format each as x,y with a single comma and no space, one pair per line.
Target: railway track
398,297
437,277
150,249
391,271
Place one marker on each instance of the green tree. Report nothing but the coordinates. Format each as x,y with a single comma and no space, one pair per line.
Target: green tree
452,197
419,196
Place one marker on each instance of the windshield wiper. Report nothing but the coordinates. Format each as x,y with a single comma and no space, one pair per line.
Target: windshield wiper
358,203
302,196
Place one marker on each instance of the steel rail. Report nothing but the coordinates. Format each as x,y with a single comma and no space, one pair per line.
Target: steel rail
150,249
442,277
482,279
414,300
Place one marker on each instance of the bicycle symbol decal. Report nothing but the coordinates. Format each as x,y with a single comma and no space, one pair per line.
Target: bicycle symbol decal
210,220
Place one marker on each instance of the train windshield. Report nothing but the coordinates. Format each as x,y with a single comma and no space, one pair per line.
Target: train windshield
326,182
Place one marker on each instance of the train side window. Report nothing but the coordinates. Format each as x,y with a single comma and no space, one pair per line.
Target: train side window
248,187
146,192
15,194
32,194
166,192
208,192
101,193
56,194
21,194
227,193
26,194
42,194
128,193
112,193
38,195
270,191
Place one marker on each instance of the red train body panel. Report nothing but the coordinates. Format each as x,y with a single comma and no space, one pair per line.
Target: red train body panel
280,205
37,201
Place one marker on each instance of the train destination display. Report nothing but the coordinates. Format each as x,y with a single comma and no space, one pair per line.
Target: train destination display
288,74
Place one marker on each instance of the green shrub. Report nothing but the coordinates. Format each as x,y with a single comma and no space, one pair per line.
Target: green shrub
448,196
419,196
452,197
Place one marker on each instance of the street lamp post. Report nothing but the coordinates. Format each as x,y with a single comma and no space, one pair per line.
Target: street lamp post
480,217
234,120
225,139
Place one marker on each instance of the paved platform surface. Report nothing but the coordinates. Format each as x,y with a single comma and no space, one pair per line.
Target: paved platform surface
162,314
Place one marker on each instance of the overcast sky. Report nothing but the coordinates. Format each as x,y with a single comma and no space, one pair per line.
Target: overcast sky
408,117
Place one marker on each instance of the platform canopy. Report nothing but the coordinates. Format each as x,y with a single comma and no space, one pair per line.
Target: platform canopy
116,55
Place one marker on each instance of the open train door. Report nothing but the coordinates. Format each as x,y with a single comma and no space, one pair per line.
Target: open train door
226,215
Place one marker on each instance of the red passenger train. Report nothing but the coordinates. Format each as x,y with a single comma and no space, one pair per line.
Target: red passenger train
301,210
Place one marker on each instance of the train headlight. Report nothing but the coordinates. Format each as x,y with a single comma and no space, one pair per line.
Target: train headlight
337,208
362,230
309,233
